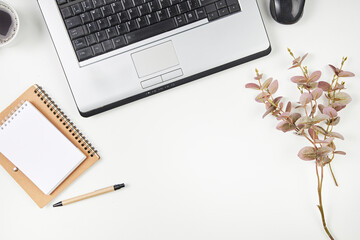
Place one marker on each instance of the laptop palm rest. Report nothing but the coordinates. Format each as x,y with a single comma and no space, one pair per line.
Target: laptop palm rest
155,59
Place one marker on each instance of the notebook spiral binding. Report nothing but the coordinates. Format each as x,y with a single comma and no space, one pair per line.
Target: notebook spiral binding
44,97
7,120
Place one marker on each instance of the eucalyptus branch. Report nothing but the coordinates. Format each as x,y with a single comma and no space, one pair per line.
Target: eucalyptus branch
309,124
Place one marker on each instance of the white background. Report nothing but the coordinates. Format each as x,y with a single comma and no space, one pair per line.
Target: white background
198,160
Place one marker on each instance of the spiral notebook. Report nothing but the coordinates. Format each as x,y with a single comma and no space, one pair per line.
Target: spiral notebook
40,147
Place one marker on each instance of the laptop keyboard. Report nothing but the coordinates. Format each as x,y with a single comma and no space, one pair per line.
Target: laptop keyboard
96,27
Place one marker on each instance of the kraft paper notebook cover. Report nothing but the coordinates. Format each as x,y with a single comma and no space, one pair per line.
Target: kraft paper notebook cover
73,154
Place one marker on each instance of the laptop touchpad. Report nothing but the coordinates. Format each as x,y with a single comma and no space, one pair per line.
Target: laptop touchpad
155,59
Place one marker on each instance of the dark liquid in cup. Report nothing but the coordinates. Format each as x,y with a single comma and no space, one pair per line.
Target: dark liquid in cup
5,22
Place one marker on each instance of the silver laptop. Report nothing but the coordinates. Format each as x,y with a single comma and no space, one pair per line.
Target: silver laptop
117,51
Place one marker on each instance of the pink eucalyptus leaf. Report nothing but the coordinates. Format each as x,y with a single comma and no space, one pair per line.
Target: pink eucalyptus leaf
333,121
338,87
342,98
338,106
262,97
321,107
285,126
270,109
312,133
323,151
319,129
266,83
258,77
307,153
346,74
315,76
319,118
288,107
340,152
298,79
253,86
324,86
316,93
330,112
284,115
294,117
336,135
273,87
277,100
335,69
305,98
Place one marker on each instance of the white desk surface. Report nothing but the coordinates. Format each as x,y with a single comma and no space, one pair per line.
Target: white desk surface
198,160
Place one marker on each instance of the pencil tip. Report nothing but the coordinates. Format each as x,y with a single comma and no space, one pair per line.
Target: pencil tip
59,204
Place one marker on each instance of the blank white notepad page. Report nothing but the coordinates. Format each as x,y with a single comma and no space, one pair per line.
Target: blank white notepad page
37,148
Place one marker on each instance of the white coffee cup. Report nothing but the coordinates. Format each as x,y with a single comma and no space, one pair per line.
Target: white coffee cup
14,27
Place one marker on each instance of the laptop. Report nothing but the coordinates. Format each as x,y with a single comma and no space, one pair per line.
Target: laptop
114,52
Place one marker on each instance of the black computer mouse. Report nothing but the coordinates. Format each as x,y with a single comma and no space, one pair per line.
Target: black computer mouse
286,11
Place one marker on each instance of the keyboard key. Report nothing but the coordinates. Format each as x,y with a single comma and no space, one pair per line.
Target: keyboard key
232,2
79,43
223,12
183,7
142,22
73,22
87,5
113,20
220,4
144,9
107,10
193,4
128,4
77,9
103,23
172,11
191,16
66,12
165,3
109,1
92,27
98,3
151,18
123,16
200,13
61,2
101,36
119,42
108,45
117,7
234,8
138,2
162,14
84,54
206,2
85,17
132,25
210,8
122,28
98,49
91,39
133,13
174,2
180,20
77,32
96,14
212,16
111,32
154,6
150,31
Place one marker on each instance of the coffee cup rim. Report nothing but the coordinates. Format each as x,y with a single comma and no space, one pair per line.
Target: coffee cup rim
18,23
